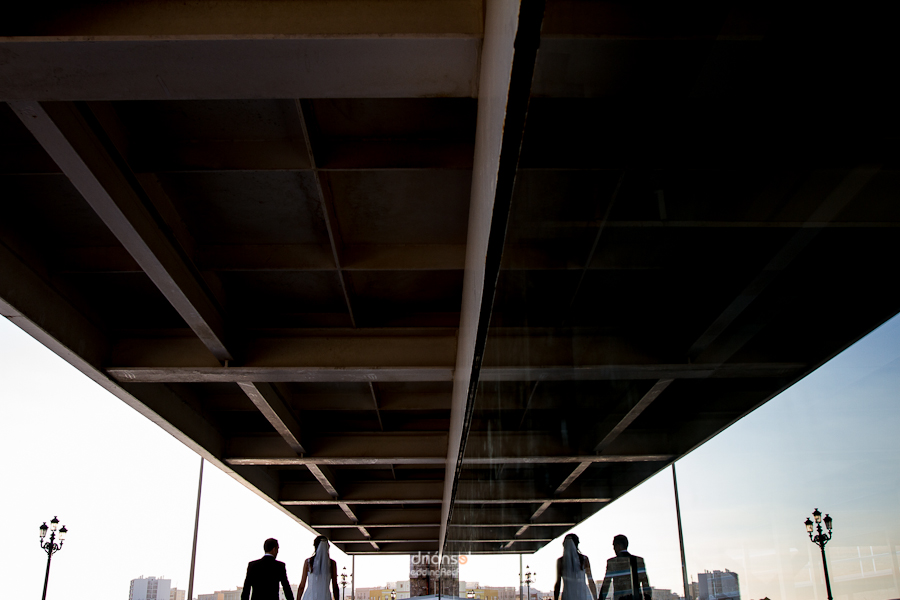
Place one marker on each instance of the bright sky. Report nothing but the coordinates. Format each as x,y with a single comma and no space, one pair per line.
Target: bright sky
126,490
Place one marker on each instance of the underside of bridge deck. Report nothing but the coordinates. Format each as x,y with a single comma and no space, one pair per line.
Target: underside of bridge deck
446,274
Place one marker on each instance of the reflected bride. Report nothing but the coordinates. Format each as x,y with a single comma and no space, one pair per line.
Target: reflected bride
571,570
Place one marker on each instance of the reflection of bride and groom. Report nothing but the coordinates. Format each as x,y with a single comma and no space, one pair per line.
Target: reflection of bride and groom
625,575
266,574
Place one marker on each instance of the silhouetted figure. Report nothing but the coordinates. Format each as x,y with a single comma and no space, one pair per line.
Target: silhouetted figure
319,570
626,574
264,575
571,569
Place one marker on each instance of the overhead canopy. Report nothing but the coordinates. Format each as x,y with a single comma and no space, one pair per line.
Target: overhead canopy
443,274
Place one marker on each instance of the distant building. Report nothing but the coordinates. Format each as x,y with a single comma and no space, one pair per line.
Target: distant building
663,594
533,594
380,594
362,593
149,588
718,585
176,594
473,591
504,593
222,595
400,589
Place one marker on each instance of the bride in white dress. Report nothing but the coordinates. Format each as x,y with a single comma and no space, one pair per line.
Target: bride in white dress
319,570
571,570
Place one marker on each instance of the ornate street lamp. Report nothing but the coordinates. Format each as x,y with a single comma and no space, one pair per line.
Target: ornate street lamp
529,579
344,583
820,539
393,595
50,546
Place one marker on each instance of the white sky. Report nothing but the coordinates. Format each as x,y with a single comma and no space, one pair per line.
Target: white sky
126,490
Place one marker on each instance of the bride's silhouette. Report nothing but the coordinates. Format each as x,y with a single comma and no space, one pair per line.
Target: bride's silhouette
318,570
571,570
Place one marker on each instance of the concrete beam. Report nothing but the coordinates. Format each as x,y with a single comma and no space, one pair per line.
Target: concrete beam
377,492
377,516
428,492
398,548
30,302
319,350
642,371
357,449
388,374
224,19
582,461
511,37
518,516
297,374
383,535
258,67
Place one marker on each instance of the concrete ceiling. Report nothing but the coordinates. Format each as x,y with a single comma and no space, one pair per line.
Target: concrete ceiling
444,274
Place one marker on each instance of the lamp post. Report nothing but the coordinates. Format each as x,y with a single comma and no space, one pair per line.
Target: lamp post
529,579
344,584
393,595
820,539
51,547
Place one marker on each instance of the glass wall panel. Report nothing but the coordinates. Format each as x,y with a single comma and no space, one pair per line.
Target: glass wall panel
829,442
674,259
646,516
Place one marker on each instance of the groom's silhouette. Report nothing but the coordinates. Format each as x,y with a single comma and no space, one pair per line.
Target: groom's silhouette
264,575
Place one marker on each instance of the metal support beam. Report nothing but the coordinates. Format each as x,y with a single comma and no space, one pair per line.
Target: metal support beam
270,403
310,130
327,479
74,139
581,468
635,411
375,404
830,207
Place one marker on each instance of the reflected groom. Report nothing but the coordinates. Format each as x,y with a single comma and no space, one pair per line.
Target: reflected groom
625,574
264,575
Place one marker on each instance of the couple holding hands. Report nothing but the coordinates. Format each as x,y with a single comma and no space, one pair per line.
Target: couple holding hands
266,574
625,574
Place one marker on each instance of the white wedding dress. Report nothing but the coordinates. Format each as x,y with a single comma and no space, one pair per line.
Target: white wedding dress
574,584
318,579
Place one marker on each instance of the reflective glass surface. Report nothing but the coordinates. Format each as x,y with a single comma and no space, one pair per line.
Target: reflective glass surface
830,443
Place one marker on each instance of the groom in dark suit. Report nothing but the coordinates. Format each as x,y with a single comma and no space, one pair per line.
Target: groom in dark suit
264,575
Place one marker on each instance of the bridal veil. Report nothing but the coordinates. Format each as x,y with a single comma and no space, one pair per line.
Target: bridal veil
573,576
319,576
